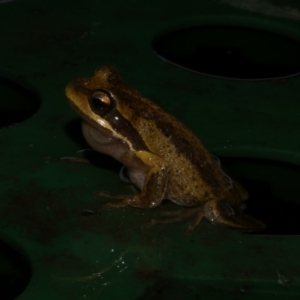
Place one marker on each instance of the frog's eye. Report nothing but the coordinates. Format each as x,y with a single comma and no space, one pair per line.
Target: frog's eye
101,103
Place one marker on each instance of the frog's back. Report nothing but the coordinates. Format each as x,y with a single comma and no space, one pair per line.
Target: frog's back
194,174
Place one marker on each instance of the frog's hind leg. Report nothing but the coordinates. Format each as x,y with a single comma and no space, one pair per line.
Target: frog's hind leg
194,213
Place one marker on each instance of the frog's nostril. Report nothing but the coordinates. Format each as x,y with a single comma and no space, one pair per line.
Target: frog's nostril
229,51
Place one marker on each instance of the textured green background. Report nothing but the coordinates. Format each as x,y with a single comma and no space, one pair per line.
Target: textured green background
44,45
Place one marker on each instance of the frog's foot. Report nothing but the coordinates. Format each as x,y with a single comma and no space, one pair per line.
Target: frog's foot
114,204
134,200
194,213
221,213
88,212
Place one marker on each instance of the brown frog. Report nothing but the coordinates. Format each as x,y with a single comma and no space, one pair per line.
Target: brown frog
164,159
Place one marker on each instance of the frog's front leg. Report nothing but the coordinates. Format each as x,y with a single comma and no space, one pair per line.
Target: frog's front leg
154,187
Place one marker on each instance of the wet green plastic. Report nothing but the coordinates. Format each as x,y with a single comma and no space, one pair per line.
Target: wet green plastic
65,255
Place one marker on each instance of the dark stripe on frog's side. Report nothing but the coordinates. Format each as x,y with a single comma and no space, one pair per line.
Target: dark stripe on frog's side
185,145
124,128
149,111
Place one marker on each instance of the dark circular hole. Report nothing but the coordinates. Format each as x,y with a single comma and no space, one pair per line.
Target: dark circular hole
15,272
16,103
231,52
273,188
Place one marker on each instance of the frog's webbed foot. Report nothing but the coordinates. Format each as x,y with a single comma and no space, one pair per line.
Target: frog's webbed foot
194,213
221,213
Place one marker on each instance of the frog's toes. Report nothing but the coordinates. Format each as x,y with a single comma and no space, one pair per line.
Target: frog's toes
109,196
116,204
195,221
196,213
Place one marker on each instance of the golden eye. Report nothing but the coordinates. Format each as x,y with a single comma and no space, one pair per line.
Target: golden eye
101,103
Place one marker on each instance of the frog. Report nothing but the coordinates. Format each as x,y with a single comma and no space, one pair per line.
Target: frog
164,159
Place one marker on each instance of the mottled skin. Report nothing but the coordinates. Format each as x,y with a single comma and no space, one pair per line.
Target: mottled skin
165,160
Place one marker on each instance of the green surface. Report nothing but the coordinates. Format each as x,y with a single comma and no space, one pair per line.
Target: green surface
70,256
